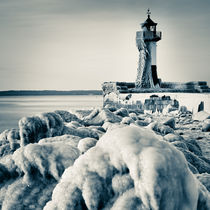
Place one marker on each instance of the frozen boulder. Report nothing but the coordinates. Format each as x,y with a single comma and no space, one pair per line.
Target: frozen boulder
133,116
67,116
11,138
201,116
45,160
160,128
179,144
21,195
201,165
103,116
172,137
85,144
54,123
141,123
193,147
204,179
183,109
206,126
127,120
204,198
110,107
4,173
170,122
129,168
92,114
64,139
34,128
111,126
73,124
123,112
82,132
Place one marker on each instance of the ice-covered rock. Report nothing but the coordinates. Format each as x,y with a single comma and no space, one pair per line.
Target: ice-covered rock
67,116
45,160
204,179
133,116
193,147
110,107
85,144
110,126
206,125
129,168
21,195
9,141
82,132
172,137
179,144
160,128
123,112
73,124
103,116
201,116
183,109
170,122
204,198
201,165
127,120
64,139
92,114
34,128
141,123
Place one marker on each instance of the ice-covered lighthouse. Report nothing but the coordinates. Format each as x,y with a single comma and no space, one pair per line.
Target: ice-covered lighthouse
146,43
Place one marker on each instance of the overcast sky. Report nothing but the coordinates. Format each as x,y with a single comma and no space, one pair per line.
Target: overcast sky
79,44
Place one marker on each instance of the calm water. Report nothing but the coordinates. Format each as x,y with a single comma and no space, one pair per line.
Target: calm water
12,108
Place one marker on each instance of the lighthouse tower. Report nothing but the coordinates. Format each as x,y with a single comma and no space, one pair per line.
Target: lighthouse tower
146,44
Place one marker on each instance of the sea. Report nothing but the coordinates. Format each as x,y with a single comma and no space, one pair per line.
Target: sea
12,108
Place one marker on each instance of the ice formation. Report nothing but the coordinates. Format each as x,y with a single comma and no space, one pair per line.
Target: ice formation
45,159
9,141
144,75
154,175
34,128
129,167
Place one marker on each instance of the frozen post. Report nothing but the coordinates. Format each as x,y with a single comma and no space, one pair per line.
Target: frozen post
146,43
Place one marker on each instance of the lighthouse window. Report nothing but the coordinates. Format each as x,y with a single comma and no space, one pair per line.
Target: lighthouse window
152,28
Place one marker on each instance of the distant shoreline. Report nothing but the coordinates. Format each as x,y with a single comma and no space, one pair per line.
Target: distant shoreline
49,92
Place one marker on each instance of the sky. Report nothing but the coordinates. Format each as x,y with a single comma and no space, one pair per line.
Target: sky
79,44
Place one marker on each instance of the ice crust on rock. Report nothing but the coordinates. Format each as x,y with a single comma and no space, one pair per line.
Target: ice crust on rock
9,141
64,139
139,159
102,116
45,159
34,128
201,116
86,143
82,132
121,170
68,116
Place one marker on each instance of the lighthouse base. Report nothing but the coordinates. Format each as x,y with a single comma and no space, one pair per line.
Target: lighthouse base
171,95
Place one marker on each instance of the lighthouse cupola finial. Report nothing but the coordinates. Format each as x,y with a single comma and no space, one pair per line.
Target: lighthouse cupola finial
148,13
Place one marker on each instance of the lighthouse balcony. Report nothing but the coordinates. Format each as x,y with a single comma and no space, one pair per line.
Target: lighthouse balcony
149,35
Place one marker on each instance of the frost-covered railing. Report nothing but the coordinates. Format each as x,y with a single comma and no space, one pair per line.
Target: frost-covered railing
149,35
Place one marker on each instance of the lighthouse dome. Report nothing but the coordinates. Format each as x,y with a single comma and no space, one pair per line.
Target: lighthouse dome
148,22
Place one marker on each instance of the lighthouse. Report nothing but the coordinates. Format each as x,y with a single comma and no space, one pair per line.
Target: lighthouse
146,41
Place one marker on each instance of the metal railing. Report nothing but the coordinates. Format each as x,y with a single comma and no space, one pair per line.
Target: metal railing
149,35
